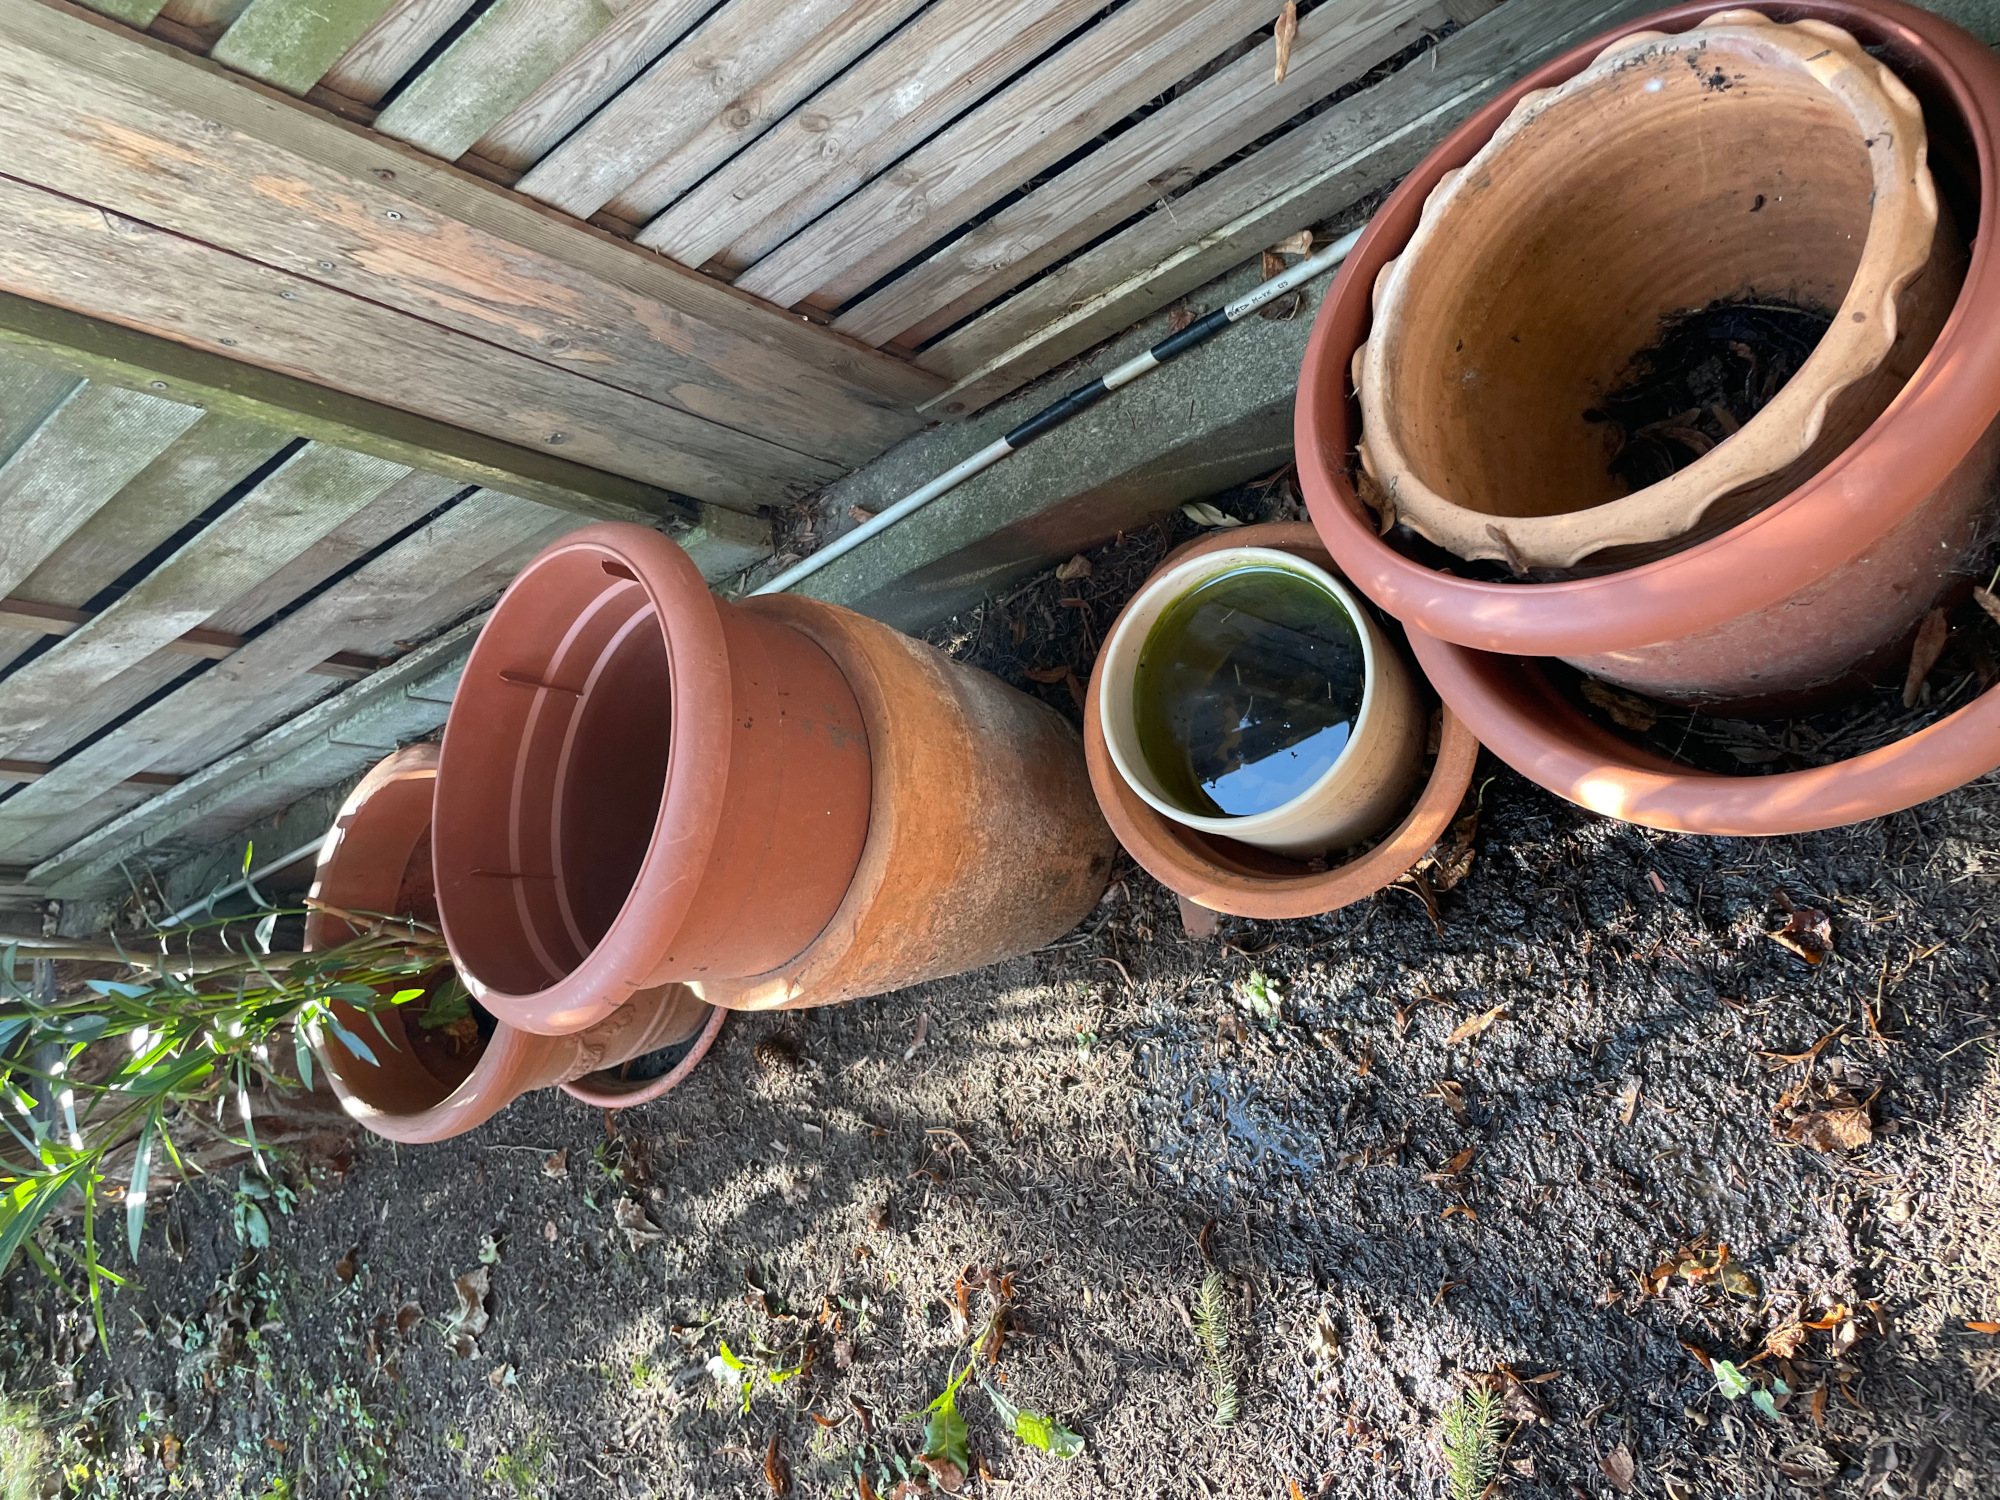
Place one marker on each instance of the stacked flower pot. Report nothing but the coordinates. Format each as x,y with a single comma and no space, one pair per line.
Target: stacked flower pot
1833,152
652,806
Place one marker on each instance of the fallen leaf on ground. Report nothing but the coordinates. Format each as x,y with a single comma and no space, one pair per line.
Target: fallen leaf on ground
463,1331
1477,1024
1203,514
1517,1402
777,1472
408,1316
556,1163
1459,1208
1295,244
502,1375
1928,647
1284,34
1376,499
1808,932
1273,264
923,1026
1785,1341
1451,1095
1628,1101
1618,1468
1623,709
1984,1327
344,1267
631,1217
1178,318
1450,859
1987,600
860,513
1076,567
1833,1121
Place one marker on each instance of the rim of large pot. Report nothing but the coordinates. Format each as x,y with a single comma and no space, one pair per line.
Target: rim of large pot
1178,580
1833,518
1510,704
685,824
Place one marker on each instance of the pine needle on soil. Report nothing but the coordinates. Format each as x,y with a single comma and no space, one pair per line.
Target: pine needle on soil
1211,1326
1470,1436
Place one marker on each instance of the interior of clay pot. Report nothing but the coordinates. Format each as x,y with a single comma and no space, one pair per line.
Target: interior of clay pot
1661,188
570,717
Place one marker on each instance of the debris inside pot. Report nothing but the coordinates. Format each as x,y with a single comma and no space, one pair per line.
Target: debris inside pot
1710,371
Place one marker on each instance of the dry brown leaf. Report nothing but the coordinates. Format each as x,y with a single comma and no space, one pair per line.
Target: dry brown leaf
1819,1407
1450,859
1808,932
170,1453
1928,647
1377,499
1295,244
1626,711
1619,1468
1987,600
1628,1101
1285,33
630,1216
1517,1402
777,1472
1984,1327
860,513
556,1163
1477,1024
1459,1208
1273,265
945,1474
1785,1341
344,1267
462,1332
1451,1095
408,1316
1076,567
1178,318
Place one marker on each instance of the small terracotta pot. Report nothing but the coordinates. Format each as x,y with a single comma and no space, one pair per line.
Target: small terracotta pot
1839,571
1359,794
778,801
1226,876
1518,713
1740,158
984,841
376,859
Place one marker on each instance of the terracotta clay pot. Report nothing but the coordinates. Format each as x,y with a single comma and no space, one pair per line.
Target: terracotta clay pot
1358,795
777,802
1509,702
1225,876
1815,591
377,859
1739,160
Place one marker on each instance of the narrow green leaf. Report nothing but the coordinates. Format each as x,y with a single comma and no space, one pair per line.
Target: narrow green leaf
135,1192
1731,1381
27,1204
302,1054
353,1043
1032,1428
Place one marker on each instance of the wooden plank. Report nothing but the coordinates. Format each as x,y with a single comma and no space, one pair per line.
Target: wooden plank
1041,117
16,771
56,699
137,13
275,183
113,356
391,47
57,250
727,80
452,555
96,111
29,396
591,75
1359,146
890,102
502,58
29,615
1337,43
290,44
85,453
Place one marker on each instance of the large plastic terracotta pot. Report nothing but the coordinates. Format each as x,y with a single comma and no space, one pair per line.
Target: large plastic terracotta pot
377,860
1511,704
777,802
1742,160
1226,876
1825,583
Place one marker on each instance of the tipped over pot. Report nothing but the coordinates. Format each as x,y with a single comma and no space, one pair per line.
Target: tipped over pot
1369,822
428,1083
776,802
1823,585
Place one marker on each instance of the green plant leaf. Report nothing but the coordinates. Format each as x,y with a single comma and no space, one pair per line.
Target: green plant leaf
945,1434
135,1192
1031,1427
1731,1381
353,1043
1763,1402
303,1055
729,1358
27,1203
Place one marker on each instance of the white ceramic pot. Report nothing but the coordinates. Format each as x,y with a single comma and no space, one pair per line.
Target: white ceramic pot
1360,794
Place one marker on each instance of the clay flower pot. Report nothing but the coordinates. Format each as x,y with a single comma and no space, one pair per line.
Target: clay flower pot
1355,798
377,859
1823,585
1737,159
1518,713
1226,876
776,802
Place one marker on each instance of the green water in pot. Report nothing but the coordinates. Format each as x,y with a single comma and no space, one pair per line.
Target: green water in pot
1246,691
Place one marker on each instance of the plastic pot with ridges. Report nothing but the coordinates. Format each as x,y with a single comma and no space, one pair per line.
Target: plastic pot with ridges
1824,585
1226,876
775,801
377,859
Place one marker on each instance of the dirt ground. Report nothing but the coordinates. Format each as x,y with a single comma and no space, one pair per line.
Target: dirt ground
1511,1139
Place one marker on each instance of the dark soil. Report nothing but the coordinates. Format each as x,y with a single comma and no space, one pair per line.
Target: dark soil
1112,1118
1711,370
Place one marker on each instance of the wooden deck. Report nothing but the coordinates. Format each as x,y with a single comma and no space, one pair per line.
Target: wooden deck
318,317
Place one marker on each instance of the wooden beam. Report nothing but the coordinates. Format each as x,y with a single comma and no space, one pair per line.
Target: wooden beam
19,771
110,355
290,44
346,215
1359,146
212,645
